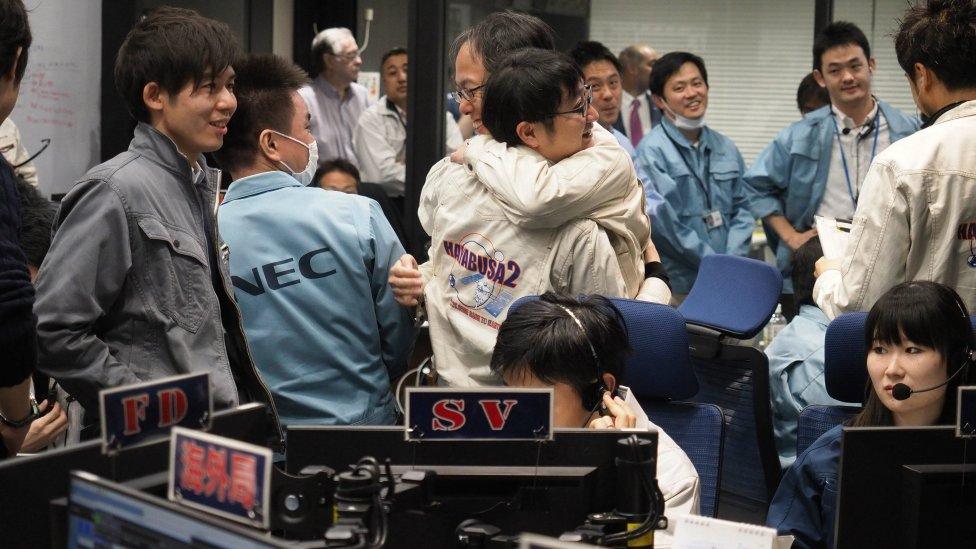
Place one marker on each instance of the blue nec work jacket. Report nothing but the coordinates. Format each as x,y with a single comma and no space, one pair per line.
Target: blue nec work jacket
805,504
790,175
695,182
310,271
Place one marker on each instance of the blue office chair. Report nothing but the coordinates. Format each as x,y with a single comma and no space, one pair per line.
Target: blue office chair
659,372
732,299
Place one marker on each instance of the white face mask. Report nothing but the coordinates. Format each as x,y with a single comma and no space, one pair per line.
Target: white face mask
683,123
304,177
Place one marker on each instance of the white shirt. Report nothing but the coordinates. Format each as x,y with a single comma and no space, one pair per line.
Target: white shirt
857,146
644,111
380,140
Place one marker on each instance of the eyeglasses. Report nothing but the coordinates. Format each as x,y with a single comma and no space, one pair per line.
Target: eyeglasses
583,107
347,57
465,94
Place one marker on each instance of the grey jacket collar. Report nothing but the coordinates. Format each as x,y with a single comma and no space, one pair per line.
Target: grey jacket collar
159,148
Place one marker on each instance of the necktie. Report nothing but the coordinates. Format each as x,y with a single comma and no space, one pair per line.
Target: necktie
636,132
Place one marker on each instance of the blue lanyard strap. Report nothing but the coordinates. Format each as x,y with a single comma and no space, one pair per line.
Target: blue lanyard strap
701,179
843,158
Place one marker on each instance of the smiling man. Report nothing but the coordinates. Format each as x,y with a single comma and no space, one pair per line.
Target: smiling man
697,170
817,165
131,289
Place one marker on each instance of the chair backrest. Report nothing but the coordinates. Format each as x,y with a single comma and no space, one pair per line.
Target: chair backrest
699,430
816,420
845,374
734,297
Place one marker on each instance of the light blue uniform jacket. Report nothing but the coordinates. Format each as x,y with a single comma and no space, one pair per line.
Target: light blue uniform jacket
678,227
796,376
310,271
790,175
654,200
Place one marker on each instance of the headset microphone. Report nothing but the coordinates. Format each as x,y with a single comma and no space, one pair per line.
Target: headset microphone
901,391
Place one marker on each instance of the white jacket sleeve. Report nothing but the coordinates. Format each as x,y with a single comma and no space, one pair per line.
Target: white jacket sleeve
377,155
877,253
539,195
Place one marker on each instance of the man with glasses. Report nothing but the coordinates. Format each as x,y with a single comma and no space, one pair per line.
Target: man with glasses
335,101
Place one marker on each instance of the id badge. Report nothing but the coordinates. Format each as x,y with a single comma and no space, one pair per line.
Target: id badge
713,219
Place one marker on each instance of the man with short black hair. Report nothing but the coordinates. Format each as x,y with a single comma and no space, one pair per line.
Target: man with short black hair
810,95
697,171
916,218
132,289
381,133
817,165
339,175
309,266
334,98
17,336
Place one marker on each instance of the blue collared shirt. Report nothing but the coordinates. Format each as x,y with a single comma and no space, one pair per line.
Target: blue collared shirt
790,175
796,376
310,270
693,181
654,200
333,119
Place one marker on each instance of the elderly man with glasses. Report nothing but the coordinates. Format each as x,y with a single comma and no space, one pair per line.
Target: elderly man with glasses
335,101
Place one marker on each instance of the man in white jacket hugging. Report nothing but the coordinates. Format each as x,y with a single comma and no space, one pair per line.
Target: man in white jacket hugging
552,204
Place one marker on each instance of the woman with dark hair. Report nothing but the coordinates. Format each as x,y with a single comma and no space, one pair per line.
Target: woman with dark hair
919,335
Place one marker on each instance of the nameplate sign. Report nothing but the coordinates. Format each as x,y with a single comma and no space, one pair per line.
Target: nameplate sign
138,414
966,412
222,476
503,413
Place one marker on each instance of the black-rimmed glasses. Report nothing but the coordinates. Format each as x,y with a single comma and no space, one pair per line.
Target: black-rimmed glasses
466,94
583,107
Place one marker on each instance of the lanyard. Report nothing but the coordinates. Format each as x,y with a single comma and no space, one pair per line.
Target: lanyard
396,111
698,177
843,158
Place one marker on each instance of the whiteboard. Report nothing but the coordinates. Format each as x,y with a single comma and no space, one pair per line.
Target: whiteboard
59,96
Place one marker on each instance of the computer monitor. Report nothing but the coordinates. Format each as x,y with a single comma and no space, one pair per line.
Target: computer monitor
518,486
105,514
30,483
872,497
938,505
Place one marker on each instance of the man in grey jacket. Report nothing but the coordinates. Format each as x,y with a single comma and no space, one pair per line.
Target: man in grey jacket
131,289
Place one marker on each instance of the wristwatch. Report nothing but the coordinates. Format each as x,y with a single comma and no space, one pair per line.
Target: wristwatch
31,416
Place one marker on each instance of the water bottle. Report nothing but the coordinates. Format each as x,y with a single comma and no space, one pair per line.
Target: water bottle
776,323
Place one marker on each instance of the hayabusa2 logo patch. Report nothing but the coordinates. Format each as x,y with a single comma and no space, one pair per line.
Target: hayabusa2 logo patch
481,275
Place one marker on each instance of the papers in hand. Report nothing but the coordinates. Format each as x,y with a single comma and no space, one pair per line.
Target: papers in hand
834,234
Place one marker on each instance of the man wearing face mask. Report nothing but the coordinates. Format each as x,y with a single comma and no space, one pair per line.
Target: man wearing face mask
916,217
309,266
697,170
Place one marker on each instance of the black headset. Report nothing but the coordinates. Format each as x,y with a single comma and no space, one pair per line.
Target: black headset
593,395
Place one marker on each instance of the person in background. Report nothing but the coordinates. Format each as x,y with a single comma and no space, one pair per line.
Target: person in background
381,134
17,331
334,98
132,288
601,72
339,175
817,165
916,219
35,239
12,149
917,334
579,348
697,171
309,266
796,357
810,95
639,114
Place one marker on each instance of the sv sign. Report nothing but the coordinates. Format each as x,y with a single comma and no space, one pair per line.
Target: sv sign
138,414
478,414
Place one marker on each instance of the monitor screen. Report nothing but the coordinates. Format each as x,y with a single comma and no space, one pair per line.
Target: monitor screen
105,514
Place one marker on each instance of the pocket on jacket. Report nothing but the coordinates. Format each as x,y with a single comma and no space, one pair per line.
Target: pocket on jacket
175,271
725,175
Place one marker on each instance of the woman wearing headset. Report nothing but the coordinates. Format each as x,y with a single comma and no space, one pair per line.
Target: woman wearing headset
918,335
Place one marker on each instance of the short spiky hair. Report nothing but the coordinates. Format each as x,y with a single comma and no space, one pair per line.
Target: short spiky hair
589,51
838,33
171,46
14,33
940,34
264,88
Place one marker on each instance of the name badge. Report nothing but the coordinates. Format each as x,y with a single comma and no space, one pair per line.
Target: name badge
966,413
713,219
434,413
138,414
222,476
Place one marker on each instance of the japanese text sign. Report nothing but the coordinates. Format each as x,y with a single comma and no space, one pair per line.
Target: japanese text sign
222,476
502,413
138,414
